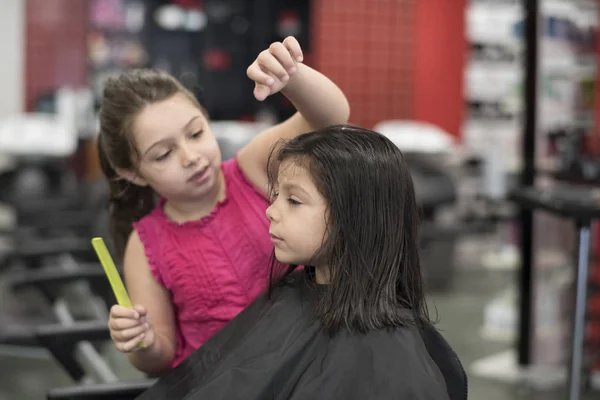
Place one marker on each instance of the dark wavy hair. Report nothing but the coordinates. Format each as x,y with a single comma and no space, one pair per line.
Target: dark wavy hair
124,97
372,236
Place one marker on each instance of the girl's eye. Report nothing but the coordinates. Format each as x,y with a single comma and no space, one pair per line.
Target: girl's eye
196,134
163,156
293,202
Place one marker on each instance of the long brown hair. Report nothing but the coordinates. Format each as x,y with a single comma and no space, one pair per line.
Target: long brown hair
123,99
371,247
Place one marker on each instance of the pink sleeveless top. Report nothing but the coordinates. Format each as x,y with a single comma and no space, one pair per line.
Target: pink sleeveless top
213,267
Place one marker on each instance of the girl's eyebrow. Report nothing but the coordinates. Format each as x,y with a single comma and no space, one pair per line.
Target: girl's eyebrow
195,117
163,141
169,139
294,186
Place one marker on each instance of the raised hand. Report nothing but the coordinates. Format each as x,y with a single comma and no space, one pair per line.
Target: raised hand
275,67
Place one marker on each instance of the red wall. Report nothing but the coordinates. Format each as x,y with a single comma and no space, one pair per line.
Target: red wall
55,46
440,55
395,58
366,47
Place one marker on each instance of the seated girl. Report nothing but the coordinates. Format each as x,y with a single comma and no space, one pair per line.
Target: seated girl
350,324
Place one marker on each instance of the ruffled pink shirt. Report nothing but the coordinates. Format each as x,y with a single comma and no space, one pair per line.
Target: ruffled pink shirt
213,267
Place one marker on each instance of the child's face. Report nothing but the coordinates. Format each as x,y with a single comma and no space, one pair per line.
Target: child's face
297,216
180,157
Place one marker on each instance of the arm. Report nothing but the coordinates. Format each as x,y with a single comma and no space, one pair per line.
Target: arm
145,290
319,102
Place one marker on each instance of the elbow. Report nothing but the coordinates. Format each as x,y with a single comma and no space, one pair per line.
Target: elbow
152,369
156,360
346,112
157,372
341,115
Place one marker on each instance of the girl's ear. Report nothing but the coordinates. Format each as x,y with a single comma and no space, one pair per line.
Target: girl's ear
132,177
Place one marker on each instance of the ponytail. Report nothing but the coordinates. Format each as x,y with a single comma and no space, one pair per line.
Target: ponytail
127,203
124,97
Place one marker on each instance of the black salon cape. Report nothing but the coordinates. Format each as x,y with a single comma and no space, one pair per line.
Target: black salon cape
275,349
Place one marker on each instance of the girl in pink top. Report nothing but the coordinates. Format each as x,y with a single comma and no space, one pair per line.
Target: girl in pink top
194,259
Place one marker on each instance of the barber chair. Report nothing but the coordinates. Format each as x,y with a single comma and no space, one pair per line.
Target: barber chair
50,281
37,182
48,225
83,288
39,143
62,225
52,267
63,341
65,344
106,391
78,332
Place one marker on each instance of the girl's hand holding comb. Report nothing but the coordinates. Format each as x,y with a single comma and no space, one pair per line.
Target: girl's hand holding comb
129,327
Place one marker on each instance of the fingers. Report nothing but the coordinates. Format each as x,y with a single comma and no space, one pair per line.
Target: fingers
261,92
279,59
268,62
294,48
141,310
283,56
128,326
123,312
272,68
259,76
119,324
129,333
130,345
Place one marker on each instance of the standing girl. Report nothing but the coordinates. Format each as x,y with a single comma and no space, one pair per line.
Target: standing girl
193,261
